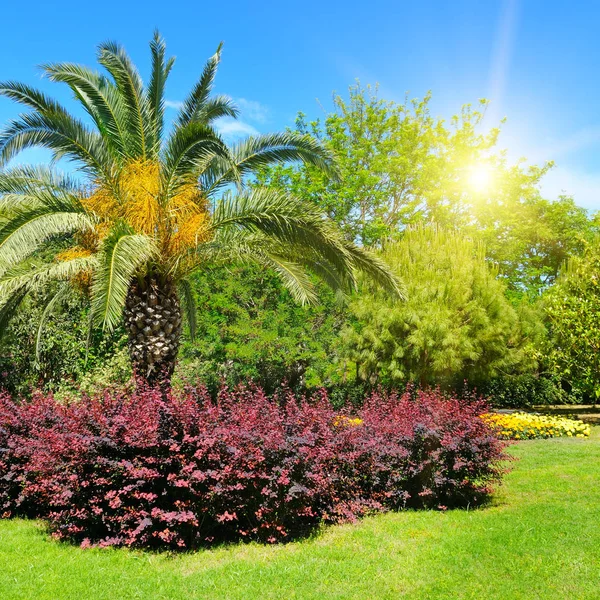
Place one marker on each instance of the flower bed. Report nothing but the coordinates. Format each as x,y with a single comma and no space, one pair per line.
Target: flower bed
144,471
527,426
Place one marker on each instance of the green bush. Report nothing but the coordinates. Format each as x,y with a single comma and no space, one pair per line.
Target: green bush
572,309
250,328
455,324
66,352
524,391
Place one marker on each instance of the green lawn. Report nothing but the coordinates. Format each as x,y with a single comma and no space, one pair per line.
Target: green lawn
540,539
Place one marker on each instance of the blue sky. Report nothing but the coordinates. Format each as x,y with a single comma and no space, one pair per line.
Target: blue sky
538,61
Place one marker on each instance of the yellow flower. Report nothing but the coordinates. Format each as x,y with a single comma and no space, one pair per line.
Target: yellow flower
522,425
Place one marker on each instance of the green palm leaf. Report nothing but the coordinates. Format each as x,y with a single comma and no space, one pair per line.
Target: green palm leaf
60,133
129,83
28,230
187,150
99,97
37,276
189,306
196,105
156,89
123,254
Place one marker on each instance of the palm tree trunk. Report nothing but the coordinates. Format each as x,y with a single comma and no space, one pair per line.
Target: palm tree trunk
153,321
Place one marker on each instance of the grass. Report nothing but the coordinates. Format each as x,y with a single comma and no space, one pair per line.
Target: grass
540,539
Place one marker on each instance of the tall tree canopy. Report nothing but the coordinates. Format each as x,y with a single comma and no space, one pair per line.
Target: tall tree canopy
455,324
572,308
401,166
157,203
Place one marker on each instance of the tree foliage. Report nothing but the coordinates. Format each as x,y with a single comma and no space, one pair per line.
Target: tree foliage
249,327
401,166
455,324
65,356
157,205
572,308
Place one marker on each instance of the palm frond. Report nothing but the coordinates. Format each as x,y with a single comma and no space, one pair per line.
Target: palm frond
292,274
24,233
161,68
26,188
60,133
289,220
129,83
195,106
35,277
187,150
189,306
259,151
28,179
216,108
243,247
99,98
123,254
29,96
267,223
376,269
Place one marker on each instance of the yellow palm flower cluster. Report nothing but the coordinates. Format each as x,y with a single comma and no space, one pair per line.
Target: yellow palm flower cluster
342,421
83,279
527,426
178,222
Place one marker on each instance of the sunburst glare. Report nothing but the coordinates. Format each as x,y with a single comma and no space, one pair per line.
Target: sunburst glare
480,178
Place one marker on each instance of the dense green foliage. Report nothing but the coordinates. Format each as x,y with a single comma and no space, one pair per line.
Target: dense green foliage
153,204
572,307
249,327
455,324
523,390
400,166
53,349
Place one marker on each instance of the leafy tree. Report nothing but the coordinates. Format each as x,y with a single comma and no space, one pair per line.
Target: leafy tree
572,307
250,328
157,204
400,166
530,240
456,323
58,359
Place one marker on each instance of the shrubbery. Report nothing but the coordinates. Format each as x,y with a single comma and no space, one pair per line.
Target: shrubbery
455,324
182,471
523,391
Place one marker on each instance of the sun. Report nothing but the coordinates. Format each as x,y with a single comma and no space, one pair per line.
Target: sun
480,178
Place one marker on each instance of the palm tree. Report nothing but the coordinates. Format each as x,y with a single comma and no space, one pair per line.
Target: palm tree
149,205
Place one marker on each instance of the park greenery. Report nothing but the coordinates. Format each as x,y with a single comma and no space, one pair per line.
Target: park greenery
155,206
260,246
207,343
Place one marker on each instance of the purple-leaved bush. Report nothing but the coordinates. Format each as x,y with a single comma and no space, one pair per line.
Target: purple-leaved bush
143,470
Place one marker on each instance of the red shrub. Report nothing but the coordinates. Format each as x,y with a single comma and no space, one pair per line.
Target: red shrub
184,471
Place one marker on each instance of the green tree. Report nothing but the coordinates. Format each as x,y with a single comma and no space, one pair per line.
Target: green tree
59,358
157,204
572,308
250,328
400,166
531,239
456,323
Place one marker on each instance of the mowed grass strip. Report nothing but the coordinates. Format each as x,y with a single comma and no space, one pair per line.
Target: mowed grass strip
540,539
